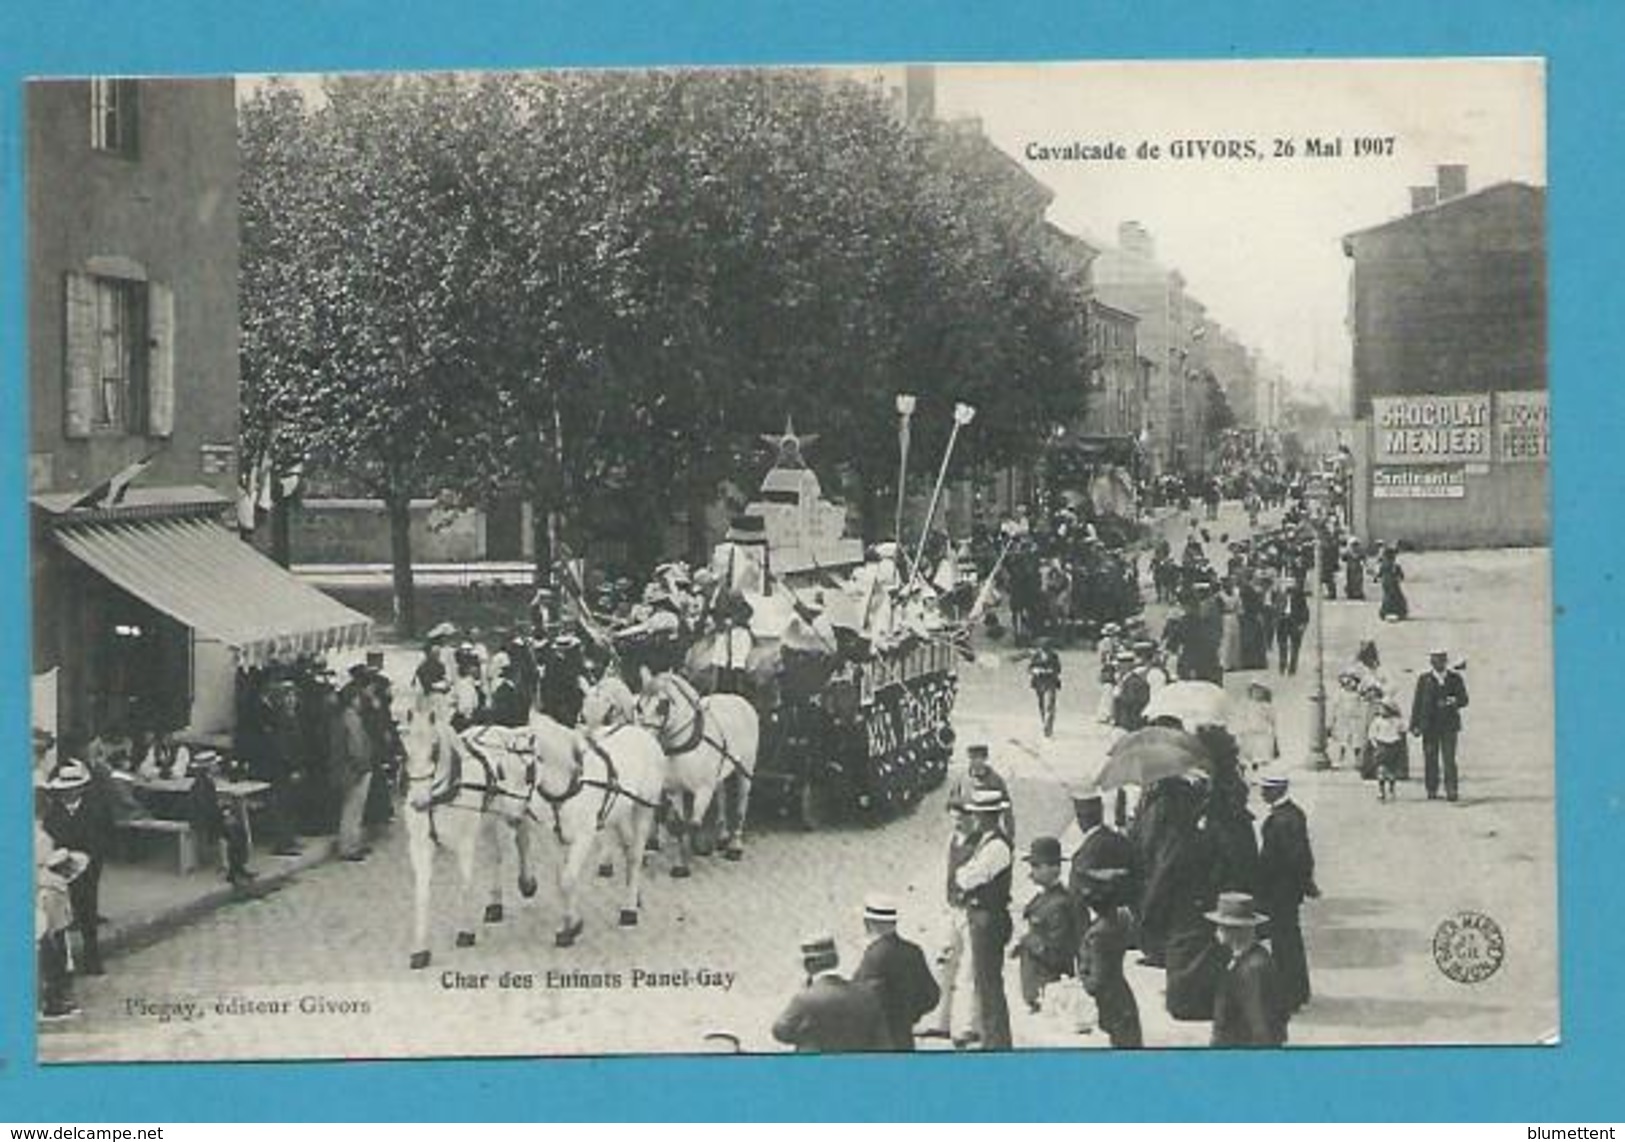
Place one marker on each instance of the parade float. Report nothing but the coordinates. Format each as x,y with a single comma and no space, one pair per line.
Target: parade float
848,657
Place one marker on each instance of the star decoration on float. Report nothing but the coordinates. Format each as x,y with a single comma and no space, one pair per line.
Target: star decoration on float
789,444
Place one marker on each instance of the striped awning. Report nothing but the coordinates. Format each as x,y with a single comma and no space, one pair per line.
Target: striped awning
199,573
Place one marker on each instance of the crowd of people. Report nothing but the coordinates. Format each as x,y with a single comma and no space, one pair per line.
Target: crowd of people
1064,572
315,744
1203,887
1190,884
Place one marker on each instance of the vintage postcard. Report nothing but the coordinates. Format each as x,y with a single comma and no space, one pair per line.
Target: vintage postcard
867,558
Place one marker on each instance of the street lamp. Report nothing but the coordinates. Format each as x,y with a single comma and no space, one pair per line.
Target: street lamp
905,411
1318,757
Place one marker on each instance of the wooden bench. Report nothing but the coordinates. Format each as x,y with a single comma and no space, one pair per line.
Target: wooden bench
186,843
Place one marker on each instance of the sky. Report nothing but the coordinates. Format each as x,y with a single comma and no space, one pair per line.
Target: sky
1258,240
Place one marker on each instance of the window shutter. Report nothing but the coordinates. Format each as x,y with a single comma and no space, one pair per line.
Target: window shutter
129,118
81,356
160,360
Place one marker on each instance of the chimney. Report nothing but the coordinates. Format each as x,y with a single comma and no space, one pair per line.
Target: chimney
1452,181
920,91
1423,197
1134,239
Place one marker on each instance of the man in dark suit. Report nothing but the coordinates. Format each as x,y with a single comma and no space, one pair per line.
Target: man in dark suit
897,970
1286,876
1048,949
831,1014
1441,696
1101,847
1247,1007
80,818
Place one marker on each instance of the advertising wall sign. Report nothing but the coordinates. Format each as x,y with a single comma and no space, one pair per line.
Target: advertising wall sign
1439,482
1522,428
1432,429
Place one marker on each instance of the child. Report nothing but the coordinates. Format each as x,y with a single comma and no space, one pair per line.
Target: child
213,826
1044,672
1387,748
1370,692
1048,949
1255,727
1107,648
1100,963
1348,719
54,870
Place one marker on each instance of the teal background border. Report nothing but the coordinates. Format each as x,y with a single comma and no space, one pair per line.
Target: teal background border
1579,1080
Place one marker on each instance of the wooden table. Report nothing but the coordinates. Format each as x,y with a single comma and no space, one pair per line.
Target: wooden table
238,793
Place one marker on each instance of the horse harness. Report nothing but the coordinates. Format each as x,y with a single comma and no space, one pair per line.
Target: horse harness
492,789
697,736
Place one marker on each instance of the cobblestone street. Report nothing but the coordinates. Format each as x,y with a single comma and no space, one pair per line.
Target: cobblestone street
319,968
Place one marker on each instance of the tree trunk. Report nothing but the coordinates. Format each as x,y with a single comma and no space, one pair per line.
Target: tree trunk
399,506
700,492
541,543
281,528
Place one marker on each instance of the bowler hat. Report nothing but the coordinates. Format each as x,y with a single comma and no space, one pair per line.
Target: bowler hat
1043,850
977,752
1236,910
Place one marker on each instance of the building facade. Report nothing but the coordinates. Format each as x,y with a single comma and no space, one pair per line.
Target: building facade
144,603
1116,399
1129,278
1448,317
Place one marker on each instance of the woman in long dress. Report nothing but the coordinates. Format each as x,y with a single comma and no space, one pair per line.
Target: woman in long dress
1354,571
1390,574
1254,640
1230,656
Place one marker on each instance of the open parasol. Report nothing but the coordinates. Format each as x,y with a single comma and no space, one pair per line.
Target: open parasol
1193,703
1147,756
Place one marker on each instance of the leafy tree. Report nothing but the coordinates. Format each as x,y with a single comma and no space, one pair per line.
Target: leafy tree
362,242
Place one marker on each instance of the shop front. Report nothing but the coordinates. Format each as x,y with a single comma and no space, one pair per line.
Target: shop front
146,613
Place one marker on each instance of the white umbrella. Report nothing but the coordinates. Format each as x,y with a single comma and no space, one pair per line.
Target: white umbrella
1192,703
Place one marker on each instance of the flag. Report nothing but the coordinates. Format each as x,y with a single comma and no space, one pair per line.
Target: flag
984,596
110,492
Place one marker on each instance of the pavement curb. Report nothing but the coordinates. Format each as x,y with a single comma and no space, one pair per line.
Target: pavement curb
148,928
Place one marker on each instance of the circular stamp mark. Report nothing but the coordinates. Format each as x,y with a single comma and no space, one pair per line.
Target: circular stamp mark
1469,947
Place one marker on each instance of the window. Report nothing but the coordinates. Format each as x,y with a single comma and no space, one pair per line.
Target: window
120,341
113,116
119,354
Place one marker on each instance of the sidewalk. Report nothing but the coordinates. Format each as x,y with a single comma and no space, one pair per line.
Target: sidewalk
146,899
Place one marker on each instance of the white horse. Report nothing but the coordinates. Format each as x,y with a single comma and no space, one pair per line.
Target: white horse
711,745
609,702
577,784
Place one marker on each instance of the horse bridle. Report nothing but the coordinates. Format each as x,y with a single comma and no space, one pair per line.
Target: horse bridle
698,735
